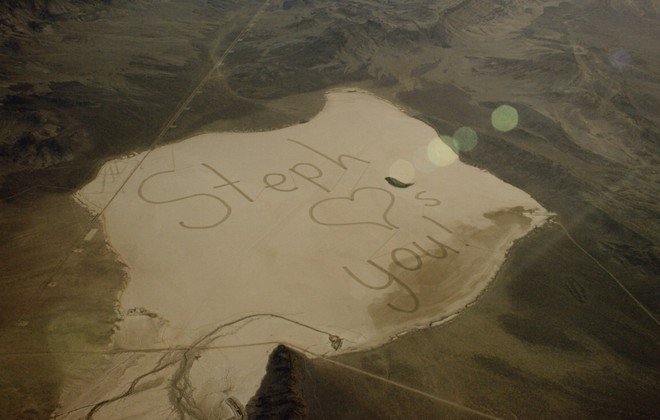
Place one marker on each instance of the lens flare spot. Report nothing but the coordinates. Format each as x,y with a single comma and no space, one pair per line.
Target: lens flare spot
439,153
403,171
465,139
421,161
505,118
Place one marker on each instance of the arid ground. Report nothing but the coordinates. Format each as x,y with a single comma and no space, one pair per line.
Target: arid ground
567,327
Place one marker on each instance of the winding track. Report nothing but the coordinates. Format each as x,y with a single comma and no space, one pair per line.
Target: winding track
181,392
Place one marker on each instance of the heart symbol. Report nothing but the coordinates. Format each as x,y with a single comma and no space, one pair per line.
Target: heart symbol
387,225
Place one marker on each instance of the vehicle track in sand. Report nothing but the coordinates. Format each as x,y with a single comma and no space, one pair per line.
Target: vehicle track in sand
183,106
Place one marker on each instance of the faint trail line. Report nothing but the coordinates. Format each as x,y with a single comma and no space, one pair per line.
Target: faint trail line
160,367
389,238
182,107
30,188
132,386
397,384
164,350
640,304
177,113
136,351
197,346
364,171
259,315
185,364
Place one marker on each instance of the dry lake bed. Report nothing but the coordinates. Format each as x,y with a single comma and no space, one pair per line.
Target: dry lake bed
335,235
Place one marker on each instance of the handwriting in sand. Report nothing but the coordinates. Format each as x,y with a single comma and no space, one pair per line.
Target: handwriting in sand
402,257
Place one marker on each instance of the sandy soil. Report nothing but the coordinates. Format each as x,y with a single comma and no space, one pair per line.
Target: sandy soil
87,81
294,236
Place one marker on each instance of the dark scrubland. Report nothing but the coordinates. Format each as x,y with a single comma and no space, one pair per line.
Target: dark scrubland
82,82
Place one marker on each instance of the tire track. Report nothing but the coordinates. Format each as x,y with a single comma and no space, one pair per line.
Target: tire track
170,123
609,273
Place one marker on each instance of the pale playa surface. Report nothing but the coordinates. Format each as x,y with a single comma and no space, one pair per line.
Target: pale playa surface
313,249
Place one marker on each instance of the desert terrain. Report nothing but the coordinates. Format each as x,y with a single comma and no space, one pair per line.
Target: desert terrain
539,120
